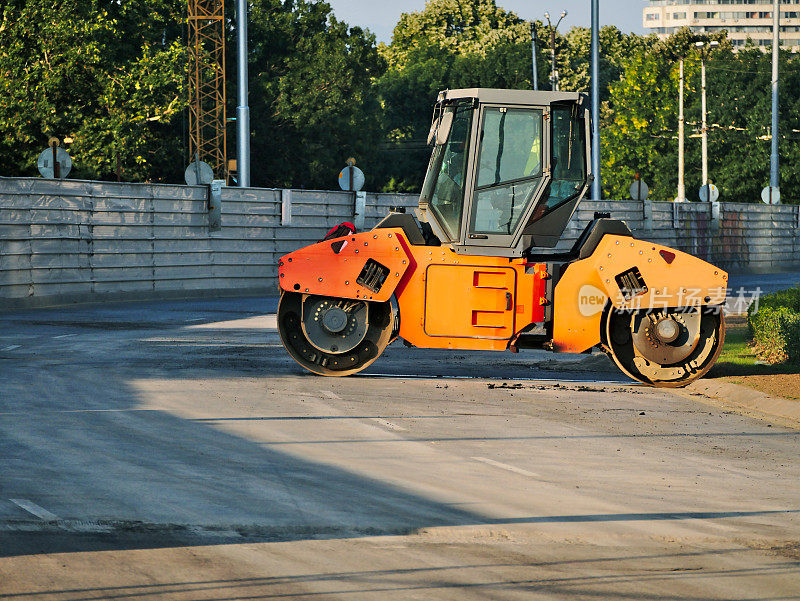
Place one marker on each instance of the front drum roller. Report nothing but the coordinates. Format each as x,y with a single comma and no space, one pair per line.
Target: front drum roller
335,336
665,348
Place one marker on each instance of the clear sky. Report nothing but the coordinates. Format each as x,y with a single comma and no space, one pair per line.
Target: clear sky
380,16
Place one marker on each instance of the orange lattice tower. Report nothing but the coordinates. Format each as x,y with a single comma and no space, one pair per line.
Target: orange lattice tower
207,137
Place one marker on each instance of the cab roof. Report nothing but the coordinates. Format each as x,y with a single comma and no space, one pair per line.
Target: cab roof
501,96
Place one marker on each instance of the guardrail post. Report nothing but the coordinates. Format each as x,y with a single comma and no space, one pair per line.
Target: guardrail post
286,207
715,213
215,205
360,210
647,214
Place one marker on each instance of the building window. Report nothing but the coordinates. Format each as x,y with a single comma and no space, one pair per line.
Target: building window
652,16
678,15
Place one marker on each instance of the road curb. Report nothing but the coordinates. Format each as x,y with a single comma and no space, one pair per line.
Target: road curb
747,400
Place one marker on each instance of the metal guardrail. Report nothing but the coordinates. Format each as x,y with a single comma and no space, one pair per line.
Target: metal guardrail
77,240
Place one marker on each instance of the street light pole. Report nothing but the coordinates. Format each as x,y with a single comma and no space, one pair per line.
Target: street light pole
242,110
774,175
681,121
595,52
533,57
553,71
704,128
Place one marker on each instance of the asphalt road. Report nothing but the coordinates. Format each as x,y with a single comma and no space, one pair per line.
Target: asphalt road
173,450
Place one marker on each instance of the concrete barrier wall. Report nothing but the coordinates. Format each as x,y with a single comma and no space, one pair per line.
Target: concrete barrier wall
72,241
739,237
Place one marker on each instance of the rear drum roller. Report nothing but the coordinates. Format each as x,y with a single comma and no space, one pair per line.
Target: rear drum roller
335,336
667,348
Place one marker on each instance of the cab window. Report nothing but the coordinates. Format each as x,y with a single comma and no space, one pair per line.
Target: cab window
443,188
568,158
509,169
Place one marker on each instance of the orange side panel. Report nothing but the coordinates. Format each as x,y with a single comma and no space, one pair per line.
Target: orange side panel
485,307
672,278
578,304
457,301
317,269
446,300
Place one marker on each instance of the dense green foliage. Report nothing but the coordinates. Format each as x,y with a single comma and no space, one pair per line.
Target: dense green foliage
449,44
87,69
639,128
775,324
312,101
112,75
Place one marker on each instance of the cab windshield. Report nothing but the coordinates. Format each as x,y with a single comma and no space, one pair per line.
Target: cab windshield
443,189
509,170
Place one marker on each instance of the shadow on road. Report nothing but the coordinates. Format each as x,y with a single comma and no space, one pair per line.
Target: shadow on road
74,438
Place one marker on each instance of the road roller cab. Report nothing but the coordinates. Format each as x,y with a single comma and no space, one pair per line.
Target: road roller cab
480,267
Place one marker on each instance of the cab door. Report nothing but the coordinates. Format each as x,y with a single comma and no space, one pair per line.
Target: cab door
469,301
509,174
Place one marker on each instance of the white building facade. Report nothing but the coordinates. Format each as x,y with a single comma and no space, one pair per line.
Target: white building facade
742,19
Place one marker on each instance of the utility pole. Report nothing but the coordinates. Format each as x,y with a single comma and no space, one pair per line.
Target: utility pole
774,175
553,71
533,57
681,122
704,131
242,110
595,52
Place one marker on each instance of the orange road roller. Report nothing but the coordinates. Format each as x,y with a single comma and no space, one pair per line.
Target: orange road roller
480,266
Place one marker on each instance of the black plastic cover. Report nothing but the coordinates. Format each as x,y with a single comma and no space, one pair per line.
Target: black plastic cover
407,223
584,246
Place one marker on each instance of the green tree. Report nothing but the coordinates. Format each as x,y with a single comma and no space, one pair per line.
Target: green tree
457,26
639,120
740,111
449,44
70,68
312,97
574,57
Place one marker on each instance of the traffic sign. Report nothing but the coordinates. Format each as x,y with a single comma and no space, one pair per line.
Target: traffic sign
357,177
198,173
709,189
639,190
771,195
46,164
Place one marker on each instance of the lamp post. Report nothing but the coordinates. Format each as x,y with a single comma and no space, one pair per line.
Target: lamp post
774,176
595,52
681,197
533,57
553,72
242,110
705,49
